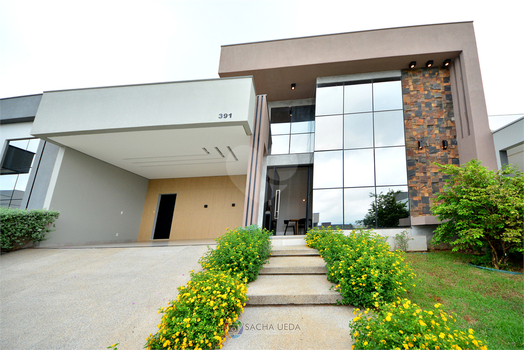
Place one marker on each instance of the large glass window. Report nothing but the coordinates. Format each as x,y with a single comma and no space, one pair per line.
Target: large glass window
370,130
327,172
16,167
329,133
330,100
292,130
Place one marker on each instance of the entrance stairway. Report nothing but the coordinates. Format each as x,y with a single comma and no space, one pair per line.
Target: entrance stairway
295,275
291,305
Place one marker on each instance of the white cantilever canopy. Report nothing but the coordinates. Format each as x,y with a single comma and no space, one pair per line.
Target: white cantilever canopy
165,130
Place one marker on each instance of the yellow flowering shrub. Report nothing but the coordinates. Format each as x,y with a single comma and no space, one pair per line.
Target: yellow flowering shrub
402,325
365,271
241,252
202,313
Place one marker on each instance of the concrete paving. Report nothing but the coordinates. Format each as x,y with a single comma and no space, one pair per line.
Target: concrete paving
93,296
88,298
293,327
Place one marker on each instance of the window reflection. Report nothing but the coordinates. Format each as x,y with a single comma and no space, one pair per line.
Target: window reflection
280,144
16,167
357,98
357,202
387,95
358,130
302,127
328,132
302,143
391,166
358,168
280,128
327,172
329,100
389,128
328,203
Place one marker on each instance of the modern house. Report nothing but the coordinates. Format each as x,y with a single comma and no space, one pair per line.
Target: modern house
295,133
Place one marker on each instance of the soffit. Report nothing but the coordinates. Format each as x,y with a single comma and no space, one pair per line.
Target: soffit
174,153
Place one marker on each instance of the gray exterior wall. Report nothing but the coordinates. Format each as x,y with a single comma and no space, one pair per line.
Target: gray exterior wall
19,109
96,201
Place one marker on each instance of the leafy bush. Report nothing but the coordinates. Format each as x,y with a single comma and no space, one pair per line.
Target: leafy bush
200,316
19,227
385,211
481,209
403,325
211,302
362,266
402,241
241,252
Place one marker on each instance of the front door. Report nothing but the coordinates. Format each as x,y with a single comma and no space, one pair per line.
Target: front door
164,216
288,200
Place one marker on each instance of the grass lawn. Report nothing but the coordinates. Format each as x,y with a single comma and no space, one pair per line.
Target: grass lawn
492,303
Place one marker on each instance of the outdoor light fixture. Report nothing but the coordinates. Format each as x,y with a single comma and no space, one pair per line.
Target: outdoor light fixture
447,62
420,145
290,111
412,64
429,63
293,86
444,144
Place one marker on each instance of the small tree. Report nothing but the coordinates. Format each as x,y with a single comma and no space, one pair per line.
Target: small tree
385,210
481,209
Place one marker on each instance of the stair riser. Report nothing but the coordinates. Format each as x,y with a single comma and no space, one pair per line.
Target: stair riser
294,271
293,300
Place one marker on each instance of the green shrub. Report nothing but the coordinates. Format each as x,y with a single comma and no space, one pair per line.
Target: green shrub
202,313
403,325
481,209
402,241
19,227
362,266
241,252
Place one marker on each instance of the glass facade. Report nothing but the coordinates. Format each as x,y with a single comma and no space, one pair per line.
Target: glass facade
292,130
16,167
360,153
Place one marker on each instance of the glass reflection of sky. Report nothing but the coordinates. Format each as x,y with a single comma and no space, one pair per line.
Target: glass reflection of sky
358,168
357,98
328,133
328,203
327,172
391,166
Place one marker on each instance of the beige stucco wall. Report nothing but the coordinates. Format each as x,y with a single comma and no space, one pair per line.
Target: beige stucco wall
191,220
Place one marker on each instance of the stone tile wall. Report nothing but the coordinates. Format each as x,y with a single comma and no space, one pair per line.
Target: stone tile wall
428,117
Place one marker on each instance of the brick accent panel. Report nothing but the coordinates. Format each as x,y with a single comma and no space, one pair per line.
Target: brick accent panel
428,117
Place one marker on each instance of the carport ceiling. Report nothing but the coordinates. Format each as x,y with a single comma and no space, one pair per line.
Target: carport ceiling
168,153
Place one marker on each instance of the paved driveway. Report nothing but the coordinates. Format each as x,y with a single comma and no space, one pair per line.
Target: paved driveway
88,298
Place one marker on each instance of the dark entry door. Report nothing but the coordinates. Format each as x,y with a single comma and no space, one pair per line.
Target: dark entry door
288,199
164,216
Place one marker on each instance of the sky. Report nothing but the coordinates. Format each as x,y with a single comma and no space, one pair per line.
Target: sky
50,45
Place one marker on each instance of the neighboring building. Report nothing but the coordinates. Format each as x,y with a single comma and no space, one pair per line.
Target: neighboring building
509,144
295,133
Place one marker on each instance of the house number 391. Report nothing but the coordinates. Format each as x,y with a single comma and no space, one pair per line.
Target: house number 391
225,115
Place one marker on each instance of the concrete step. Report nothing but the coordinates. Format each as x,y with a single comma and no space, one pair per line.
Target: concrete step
291,289
293,250
286,265
293,327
